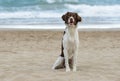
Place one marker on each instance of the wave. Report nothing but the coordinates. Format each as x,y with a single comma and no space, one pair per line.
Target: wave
29,14
17,3
95,14
61,1
83,10
95,10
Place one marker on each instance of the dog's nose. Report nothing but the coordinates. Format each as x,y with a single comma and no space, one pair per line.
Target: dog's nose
71,20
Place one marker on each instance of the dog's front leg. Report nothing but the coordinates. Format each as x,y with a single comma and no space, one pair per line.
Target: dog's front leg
75,60
66,60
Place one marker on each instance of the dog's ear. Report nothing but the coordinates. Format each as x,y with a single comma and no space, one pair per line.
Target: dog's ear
79,19
64,17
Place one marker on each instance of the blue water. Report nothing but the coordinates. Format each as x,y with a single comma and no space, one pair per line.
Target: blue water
50,11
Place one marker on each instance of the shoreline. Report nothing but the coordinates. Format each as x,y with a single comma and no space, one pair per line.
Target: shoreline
61,27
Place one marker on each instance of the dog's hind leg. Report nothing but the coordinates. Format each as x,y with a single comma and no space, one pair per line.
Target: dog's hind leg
59,63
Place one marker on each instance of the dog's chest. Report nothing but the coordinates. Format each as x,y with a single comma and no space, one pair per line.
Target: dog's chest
71,45
70,40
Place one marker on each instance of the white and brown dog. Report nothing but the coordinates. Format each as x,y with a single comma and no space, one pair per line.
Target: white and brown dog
70,43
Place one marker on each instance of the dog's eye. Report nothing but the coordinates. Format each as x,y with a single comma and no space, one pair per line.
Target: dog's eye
68,16
74,16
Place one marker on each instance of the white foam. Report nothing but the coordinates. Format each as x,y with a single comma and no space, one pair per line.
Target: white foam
29,14
88,10
50,1
57,1
83,10
59,27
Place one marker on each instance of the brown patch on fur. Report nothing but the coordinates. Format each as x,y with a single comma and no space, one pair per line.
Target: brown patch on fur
62,48
70,63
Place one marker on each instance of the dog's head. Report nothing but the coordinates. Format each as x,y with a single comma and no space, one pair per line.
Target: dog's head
71,18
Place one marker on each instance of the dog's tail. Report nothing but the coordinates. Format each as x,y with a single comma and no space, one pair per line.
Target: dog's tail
59,63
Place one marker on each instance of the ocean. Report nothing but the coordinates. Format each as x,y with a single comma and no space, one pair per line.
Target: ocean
35,12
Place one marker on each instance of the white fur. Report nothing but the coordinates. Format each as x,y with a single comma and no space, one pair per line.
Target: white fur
71,18
70,44
58,62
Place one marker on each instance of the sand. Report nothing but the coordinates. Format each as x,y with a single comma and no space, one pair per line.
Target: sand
29,56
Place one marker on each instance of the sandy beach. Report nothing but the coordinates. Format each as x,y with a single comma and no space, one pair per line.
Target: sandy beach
28,55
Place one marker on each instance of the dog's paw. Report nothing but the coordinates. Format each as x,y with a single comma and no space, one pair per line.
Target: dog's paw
68,70
74,69
53,68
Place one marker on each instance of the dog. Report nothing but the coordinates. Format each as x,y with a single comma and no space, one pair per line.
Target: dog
70,43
